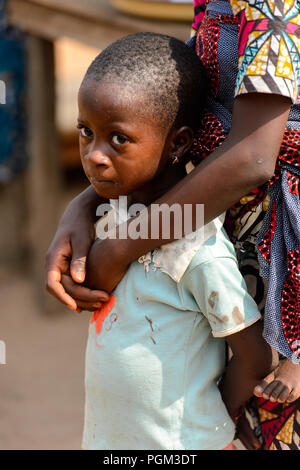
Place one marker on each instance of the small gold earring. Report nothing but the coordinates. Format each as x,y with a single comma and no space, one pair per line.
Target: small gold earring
175,160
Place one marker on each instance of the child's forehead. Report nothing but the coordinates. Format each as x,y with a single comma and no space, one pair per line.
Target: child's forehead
120,94
117,99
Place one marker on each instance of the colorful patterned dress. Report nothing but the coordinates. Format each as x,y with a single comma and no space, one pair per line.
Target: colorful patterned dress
253,46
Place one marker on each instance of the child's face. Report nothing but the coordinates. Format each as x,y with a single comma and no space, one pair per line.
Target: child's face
122,146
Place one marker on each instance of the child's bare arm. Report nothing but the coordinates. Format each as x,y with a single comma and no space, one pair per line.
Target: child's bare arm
252,359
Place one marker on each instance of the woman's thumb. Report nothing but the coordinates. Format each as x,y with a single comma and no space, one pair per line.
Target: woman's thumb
78,268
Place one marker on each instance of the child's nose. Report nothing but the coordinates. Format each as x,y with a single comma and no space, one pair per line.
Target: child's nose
98,158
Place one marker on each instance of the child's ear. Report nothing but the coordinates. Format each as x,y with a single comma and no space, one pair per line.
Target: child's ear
180,141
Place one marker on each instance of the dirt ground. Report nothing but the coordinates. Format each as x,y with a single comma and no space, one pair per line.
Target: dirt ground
42,382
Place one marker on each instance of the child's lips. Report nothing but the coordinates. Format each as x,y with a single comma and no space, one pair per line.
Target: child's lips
96,181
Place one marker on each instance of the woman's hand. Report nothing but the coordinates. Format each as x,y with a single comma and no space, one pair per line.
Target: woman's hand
104,271
67,254
85,298
70,246
107,263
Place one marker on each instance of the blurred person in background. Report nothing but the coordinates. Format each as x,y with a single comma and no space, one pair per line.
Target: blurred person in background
13,155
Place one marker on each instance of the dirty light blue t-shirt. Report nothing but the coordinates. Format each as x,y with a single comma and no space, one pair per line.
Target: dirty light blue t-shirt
156,352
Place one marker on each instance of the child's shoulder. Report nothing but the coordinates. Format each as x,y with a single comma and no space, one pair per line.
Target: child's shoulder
217,246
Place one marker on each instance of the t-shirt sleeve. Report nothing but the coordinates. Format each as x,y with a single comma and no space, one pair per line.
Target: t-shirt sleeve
221,294
268,49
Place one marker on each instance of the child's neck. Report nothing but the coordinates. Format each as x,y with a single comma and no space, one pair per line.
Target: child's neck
155,188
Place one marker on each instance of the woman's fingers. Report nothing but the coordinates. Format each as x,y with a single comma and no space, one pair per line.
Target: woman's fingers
81,293
292,396
282,385
78,268
81,244
57,263
283,395
54,287
260,389
72,241
88,306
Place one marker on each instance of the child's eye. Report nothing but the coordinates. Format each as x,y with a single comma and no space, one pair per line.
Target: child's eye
85,131
119,139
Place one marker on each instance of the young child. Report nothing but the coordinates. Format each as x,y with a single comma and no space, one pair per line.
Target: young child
156,348
250,53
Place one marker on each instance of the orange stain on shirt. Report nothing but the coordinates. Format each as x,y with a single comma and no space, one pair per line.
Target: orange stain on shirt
100,315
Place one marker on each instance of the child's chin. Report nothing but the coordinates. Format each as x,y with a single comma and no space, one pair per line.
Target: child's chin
107,190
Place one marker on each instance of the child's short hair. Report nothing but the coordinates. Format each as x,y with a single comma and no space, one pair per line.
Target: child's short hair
164,68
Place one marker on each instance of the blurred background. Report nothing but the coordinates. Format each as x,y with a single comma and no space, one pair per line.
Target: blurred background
45,49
